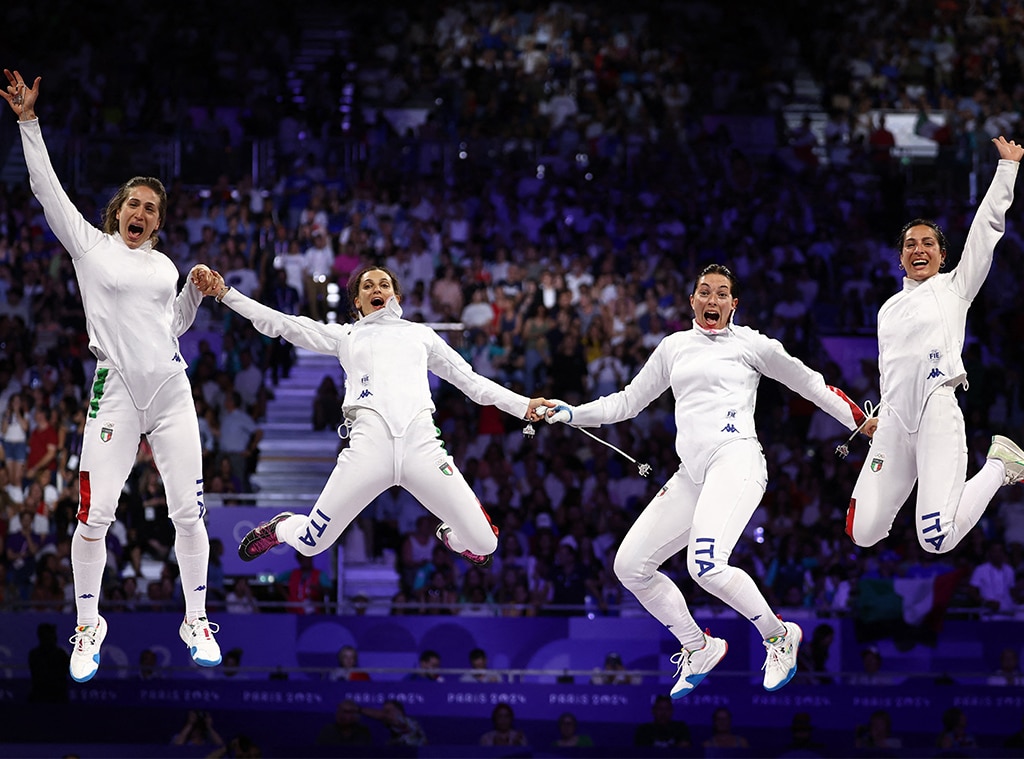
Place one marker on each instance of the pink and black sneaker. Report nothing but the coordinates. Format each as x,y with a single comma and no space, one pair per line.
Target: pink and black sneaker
261,539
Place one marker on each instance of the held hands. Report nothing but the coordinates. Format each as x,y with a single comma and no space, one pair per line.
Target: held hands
532,413
1008,150
560,411
206,280
21,98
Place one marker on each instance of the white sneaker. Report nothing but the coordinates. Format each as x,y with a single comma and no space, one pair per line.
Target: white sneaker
1011,455
780,664
85,657
198,636
693,666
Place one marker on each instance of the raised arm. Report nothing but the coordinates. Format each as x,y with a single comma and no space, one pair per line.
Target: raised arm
989,222
75,233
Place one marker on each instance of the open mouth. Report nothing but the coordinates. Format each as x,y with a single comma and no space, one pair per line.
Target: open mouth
711,317
135,230
919,263
377,302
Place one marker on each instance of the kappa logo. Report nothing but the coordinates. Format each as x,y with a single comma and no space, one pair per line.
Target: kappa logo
107,432
365,394
729,428
877,462
935,373
176,358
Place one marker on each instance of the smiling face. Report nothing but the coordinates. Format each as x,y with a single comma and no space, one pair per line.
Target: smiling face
375,287
922,254
712,301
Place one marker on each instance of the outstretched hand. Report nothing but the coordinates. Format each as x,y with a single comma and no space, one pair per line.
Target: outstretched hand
21,98
1008,149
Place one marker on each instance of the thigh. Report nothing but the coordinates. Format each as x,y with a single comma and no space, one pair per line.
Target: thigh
365,469
663,527
433,478
941,465
733,487
884,482
110,443
172,430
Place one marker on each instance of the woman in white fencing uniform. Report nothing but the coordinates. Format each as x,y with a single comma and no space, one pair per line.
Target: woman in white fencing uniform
713,371
134,317
393,439
921,437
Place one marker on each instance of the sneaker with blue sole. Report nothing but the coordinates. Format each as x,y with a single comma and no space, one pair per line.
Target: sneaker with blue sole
202,646
693,666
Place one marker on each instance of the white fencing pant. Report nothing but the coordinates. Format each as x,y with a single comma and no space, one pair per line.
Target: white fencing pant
935,457
110,444
374,461
707,519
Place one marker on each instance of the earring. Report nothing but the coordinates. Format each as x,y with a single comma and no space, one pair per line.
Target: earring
900,266
942,264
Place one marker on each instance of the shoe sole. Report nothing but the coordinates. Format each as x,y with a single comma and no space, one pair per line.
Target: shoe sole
792,672
695,680
246,541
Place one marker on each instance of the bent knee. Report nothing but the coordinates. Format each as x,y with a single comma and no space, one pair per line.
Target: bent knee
629,571
861,531
707,574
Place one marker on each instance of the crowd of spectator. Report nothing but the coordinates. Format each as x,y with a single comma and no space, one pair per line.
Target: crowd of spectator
592,178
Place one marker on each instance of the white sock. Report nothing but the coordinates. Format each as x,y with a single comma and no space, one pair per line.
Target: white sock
88,560
193,554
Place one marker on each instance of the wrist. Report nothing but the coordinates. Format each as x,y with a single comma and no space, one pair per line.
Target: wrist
222,292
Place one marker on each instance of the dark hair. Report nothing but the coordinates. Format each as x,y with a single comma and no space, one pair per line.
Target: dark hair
725,272
353,285
114,204
921,222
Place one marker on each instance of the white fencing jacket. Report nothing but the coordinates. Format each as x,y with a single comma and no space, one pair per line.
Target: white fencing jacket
921,328
385,358
714,375
133,314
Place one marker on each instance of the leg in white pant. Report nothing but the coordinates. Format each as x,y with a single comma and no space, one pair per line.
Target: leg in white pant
936,458
947,506
364,470
662,530
733,487
429,473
